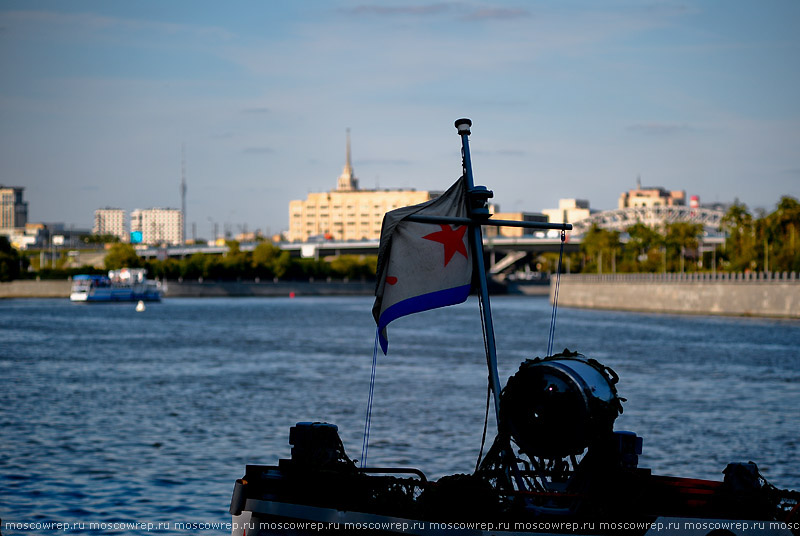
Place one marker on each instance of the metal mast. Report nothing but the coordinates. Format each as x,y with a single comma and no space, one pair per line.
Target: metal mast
478,210
478,215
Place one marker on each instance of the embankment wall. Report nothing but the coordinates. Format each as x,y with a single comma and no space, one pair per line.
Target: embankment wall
762,294
28,288
205,289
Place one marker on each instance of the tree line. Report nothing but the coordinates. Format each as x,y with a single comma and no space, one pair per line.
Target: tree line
756,242
266,262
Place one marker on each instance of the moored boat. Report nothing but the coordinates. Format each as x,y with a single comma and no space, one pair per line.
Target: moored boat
123,285
556,465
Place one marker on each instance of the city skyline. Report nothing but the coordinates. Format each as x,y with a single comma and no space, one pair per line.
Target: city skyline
568,101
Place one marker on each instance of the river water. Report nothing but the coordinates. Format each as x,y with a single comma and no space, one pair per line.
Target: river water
112,416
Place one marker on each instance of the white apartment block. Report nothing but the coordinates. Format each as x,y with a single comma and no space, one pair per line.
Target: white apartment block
110,221
158,225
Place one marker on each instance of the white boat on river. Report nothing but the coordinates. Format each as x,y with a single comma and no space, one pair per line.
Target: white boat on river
125,284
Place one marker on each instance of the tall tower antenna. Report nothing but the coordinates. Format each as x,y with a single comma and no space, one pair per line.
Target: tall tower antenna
348,163
183,193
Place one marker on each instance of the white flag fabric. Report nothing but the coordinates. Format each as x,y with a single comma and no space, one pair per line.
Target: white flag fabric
422,266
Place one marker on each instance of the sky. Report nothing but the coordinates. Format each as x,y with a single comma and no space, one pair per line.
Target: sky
569,99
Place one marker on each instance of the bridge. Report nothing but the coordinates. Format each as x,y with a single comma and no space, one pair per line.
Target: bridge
328,248
621,219
503,252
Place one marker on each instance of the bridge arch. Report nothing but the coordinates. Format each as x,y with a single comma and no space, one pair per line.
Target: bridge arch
656,216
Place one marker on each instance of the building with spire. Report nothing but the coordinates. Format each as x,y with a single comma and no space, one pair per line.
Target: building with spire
348,212
347,180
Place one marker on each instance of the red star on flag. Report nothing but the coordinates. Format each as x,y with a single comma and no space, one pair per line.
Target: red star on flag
452,239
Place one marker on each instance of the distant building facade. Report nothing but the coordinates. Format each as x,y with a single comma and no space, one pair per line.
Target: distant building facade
157,226
347,213
110,221
651,196
490,231
13,208
568,211
46,235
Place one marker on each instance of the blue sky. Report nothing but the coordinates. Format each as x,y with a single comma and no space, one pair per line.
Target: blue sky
568,99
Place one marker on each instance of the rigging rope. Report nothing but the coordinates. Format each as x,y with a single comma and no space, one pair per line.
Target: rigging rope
368,420
555,297
488,387
485,425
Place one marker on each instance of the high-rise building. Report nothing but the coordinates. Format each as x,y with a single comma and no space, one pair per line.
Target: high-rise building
347,213
13,209
110,221
154,226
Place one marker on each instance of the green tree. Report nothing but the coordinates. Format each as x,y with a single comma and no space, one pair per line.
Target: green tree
236,263
643,252
99,239
122,256
268,260
9,260
681,241
740,243
282,264
306,268
214,268
354,266
194,267
548,262
600,248
781,236
166,269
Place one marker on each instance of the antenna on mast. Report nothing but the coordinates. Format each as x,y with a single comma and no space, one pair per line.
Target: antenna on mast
183,193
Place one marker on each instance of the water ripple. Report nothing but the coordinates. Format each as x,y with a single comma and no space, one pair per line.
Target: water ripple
111,415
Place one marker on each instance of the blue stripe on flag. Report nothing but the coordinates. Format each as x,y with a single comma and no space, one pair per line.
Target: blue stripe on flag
423,302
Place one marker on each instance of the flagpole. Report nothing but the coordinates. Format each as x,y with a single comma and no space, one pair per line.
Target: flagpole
477,197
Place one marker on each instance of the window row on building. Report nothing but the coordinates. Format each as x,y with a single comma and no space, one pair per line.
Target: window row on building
13,209
150,226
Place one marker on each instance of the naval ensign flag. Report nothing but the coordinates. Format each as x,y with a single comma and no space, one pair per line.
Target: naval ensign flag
422,266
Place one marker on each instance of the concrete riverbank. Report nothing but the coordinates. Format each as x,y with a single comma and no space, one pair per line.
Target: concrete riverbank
754,294
723,294
204,289
29,288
